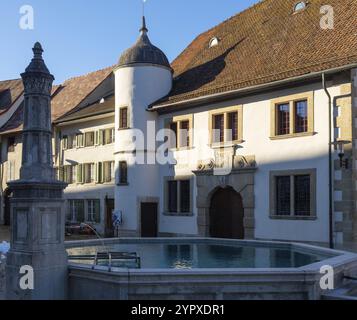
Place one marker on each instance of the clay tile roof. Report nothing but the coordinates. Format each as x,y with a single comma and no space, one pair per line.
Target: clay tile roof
10,91
65,98
75,90
263,44
95,109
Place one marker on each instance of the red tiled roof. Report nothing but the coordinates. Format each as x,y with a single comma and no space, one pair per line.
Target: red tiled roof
65,98
10,91
75,90
263,44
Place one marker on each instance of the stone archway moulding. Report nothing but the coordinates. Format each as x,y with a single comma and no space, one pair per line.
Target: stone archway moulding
241,180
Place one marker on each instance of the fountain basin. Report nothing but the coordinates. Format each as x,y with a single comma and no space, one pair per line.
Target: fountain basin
204,268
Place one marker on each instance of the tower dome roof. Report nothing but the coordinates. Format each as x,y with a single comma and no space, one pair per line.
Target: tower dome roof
144,52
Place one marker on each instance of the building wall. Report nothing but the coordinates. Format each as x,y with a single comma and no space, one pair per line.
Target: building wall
136,88
309,152
95,154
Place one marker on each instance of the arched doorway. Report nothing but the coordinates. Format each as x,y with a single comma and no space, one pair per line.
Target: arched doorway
227,214
6,197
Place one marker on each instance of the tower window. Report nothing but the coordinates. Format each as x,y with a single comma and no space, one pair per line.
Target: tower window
123,173
123,118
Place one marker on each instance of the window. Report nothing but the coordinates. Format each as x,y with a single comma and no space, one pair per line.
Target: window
181,132
69,142
283,119
123,118
93,211
178,196
88,172
123,173
172,194
80,140
185,196
11,144
184,134
302,195
108,136
218,128
89,139
283,195
108,171
292,116
76,211
174,136
226,125
68,174
301,117
293,194
233,126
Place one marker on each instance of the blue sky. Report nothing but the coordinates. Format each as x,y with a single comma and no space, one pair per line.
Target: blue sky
80,36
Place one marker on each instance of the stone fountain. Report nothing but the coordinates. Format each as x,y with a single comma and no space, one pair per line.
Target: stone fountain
37,205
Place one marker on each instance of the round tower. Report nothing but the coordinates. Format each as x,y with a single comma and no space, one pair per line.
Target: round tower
142,76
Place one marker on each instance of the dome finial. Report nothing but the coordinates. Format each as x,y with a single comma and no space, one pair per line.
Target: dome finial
37,50
143,28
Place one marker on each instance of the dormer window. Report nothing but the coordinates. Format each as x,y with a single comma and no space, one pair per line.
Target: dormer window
299,6
214,42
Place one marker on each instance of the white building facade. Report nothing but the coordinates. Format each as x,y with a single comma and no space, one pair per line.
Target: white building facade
247,163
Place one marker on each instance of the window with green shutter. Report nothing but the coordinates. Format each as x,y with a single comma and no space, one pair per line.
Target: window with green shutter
93,211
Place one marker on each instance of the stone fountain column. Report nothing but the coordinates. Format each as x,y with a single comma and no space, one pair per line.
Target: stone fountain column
37,207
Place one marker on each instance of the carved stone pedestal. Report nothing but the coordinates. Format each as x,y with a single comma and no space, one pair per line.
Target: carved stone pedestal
37,240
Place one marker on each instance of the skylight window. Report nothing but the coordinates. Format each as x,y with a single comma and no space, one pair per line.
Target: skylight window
300,6
214,42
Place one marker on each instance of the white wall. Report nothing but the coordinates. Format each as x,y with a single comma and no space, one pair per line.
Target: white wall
136,88
271,155
100,153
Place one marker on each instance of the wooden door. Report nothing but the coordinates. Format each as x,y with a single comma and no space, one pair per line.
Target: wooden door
149,223
227,214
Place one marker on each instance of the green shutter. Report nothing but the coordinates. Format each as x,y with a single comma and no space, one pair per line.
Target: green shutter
96,138
98,172
80,173
100,137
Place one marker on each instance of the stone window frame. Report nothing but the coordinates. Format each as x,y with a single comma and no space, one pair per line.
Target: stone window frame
166,197
291,100
225,112
272,194
178,120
